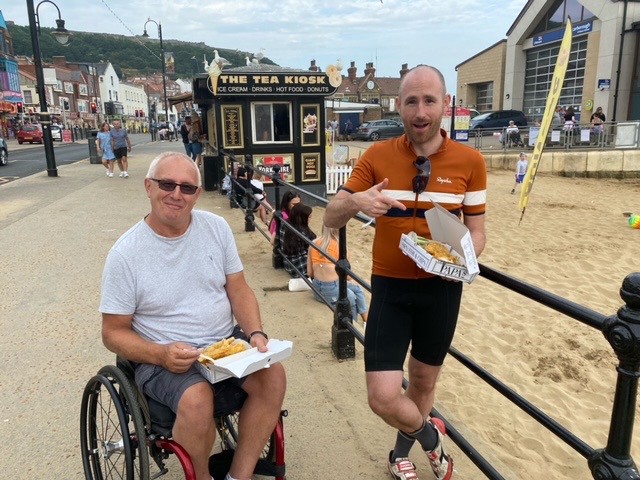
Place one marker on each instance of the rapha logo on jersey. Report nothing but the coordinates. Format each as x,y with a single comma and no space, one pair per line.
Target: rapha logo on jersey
443,180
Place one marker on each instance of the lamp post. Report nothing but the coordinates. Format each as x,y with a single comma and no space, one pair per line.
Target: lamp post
164,79
62,35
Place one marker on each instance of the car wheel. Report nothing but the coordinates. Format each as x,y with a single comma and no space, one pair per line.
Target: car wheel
20,142
4,158
375,136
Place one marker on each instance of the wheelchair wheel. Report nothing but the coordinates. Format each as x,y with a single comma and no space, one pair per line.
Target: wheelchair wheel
228,432
112,432
272,460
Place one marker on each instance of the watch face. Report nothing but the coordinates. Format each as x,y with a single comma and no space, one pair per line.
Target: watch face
370,84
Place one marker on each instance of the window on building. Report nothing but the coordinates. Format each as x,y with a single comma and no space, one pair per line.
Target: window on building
28,97
538,74
559,12
484,96
271,122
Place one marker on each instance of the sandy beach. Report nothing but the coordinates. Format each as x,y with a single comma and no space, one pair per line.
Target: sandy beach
573,241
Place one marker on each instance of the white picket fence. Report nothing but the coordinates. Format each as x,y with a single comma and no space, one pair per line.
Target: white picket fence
337,176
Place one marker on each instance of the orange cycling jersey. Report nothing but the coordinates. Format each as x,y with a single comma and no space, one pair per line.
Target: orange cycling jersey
458,182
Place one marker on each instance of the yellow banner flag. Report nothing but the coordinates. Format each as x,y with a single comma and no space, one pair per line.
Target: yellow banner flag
549,110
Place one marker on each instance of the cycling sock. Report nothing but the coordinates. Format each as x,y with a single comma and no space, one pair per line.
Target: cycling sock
427,435
404,442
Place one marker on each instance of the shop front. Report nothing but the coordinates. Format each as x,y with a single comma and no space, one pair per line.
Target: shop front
266,115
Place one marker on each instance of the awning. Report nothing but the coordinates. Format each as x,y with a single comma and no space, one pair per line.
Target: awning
183,97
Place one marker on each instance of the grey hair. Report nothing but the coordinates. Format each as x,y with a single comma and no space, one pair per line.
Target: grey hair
153,167
421,66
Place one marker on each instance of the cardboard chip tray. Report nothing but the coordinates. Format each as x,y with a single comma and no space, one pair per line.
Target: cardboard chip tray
245,363
448,229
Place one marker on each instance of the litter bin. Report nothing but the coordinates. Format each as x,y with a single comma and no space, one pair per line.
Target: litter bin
94,157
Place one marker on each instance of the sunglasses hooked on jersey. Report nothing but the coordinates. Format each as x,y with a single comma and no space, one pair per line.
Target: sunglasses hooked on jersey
169,186
420,181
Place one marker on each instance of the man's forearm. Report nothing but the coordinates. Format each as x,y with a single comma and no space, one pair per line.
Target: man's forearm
130,345
340,211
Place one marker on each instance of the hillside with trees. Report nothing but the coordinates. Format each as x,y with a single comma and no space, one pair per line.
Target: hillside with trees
128,55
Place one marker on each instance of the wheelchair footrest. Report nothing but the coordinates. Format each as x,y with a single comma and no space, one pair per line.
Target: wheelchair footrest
220,463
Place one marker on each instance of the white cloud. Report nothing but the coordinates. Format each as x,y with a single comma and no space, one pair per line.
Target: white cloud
442,33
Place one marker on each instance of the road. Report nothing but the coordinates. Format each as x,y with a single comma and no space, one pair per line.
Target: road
25,160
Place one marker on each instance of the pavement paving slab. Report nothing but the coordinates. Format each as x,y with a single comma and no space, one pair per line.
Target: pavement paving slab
56,233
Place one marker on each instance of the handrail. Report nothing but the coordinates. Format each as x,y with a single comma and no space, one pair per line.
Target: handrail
622,330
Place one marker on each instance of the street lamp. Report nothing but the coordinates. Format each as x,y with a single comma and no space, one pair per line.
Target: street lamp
62,35
164,80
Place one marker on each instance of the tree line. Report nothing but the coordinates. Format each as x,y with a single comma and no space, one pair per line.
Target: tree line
128,55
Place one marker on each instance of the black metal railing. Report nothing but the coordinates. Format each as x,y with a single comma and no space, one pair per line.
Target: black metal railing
622,330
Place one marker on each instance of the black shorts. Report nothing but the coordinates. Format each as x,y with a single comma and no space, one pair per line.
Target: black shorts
421,311
120,152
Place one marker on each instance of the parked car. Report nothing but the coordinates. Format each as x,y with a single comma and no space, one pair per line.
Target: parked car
498,120
4,152
30,133
56,132
377,129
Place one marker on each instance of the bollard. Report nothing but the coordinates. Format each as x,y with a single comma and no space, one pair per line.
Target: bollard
276,257
623,333
342,340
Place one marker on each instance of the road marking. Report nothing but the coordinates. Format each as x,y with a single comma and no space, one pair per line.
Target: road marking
7,179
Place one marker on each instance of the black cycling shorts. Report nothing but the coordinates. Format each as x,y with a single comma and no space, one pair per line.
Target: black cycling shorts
421,311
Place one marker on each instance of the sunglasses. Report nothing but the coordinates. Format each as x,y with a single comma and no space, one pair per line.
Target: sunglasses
420,181
168,186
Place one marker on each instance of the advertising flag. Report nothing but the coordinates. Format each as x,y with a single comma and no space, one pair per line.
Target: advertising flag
549,110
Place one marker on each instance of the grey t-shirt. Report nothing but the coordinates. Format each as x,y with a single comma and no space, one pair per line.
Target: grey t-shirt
174,287
119,136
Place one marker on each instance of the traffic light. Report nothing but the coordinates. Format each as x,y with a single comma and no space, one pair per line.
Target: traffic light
94,107
20,108
65,104
137,113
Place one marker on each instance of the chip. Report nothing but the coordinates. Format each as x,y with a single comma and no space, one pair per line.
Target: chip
224,348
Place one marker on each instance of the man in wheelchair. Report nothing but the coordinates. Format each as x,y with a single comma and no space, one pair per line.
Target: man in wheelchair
173,284
513,137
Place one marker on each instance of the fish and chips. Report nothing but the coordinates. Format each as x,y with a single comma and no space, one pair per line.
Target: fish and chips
223,348
438,250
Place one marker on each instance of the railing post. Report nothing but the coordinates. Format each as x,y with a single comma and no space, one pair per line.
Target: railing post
249,218
276,257
342,340
623,333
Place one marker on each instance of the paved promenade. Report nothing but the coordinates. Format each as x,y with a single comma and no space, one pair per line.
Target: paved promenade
55,234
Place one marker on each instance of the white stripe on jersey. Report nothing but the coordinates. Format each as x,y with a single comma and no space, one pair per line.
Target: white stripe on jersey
437,197
475,198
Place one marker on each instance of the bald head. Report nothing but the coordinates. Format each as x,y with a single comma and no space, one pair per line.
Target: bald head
176,156
421,70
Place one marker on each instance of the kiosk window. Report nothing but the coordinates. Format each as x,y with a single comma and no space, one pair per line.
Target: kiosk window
271,122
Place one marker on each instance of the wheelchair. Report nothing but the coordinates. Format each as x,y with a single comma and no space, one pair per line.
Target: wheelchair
122,431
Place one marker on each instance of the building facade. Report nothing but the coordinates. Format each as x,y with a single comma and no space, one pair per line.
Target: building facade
603,70
10,93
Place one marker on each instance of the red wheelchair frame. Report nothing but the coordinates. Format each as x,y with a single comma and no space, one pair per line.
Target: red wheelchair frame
121,430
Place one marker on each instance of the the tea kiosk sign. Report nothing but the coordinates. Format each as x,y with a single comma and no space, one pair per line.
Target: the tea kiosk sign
272,84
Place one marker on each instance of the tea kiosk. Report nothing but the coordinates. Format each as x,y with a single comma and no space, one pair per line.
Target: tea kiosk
267,114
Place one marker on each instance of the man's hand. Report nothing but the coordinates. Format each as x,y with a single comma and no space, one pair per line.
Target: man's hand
374,203
260,342
178,357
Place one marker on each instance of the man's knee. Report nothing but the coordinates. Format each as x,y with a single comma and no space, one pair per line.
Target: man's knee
269,384
196,404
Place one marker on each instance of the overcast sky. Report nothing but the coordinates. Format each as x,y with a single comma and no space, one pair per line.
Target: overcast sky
442,33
